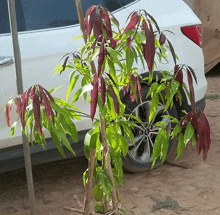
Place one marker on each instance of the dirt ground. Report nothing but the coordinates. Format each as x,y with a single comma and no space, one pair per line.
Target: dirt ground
191,188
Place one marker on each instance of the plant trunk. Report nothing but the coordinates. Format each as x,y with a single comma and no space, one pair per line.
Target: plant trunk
90,179
108,164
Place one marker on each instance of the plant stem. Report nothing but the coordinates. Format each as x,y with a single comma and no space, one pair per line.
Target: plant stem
89,184
108,165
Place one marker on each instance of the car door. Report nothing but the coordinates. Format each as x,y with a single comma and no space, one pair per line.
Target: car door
45,28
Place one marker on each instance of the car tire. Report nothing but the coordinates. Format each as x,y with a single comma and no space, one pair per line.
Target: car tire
139,156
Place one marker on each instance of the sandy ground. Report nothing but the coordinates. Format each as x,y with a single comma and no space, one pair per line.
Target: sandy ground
195,185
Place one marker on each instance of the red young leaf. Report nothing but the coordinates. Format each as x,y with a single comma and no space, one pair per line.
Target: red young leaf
162,39
132,97
189,76
94,96
112,42
204,139
111,79
101,58
139,88
103,90
46,103
149,47
18,104
49,95
8,114
114,97
135,19
127,87
87,20
64,64
98,24
152,18
36,110
178,74
172,51
192,72
108,26
23,108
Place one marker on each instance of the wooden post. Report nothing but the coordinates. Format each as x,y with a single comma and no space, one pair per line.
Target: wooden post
17,59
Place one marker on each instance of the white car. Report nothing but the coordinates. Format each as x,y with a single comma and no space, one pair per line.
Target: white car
45,32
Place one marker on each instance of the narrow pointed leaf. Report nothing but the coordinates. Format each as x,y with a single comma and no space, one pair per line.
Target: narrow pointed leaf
87,21
149,47
103,90
36,110
101,58
46,103
8,114
115,99
135,19
108,26
172,51
94,97
189,77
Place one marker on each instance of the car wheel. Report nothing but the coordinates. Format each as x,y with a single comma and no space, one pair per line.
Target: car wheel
139,157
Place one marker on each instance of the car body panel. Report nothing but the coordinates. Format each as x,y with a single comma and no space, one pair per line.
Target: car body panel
42,49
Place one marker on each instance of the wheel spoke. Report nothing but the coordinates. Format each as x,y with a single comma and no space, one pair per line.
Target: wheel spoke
146,154
151,142
134,150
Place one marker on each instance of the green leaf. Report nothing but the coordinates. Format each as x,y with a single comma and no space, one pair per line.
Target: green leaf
194,140
91,141
152,89
164,145
77,95
129,60
105,183
141,37
181,145
69,127
57,142
160,138
76,38
176,131
97,192
62,136
161,87
13,128
52,90
188,133
99,208
179,97
71,86
174,88
114,55
117,162
85,178
153,107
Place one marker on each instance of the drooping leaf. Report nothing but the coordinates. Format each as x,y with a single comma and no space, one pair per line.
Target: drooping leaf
189,77
37,114
135,19
87,20
188,133
71,86
149,47
103,90
172,51
18,104
46,103
101,58
107,27
181,145
23,108
162,39
8,114
178,74
94,97
115,99
193,73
